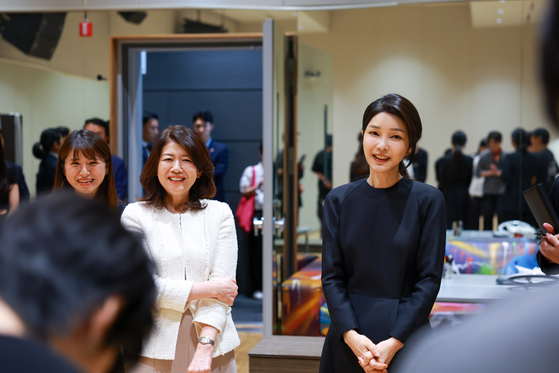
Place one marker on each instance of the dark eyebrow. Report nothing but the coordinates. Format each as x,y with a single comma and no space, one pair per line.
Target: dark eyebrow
391,129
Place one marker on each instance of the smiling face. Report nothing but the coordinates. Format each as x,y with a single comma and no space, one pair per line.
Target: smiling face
84,174
176,172
385,143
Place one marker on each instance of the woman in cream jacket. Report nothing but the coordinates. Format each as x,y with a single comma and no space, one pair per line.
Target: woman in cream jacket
193,244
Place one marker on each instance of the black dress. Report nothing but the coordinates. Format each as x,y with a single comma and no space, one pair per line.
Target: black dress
454,180
382,263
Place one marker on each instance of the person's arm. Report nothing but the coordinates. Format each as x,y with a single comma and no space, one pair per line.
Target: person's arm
507,169
13,198
121,180
209,311
429,267
221,163
334,285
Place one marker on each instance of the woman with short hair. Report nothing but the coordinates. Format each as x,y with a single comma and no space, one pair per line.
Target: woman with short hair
193,244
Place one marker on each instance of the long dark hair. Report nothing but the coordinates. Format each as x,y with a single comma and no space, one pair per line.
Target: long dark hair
4,183
48,137
204,186
458,140
92,146
521,139
402,108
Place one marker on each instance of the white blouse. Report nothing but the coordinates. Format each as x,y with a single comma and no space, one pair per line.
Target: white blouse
187,248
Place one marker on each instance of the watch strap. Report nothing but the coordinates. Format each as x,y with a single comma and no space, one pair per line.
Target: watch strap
206,341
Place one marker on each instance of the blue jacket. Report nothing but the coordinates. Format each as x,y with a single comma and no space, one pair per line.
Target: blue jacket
121,177
219,155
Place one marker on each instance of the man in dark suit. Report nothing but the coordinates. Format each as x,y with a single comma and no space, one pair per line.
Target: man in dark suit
219,154
101,128
150,131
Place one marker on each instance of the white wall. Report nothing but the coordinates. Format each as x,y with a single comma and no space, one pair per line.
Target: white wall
48,99
458,77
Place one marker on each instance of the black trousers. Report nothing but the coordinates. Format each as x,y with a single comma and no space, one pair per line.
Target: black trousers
490,207
254,257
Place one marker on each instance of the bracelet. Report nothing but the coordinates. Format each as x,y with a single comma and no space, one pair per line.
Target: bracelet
206,341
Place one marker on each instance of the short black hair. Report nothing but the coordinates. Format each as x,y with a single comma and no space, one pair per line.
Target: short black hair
206,116
99,122
495,136
541,133
148,116
64,131
62,257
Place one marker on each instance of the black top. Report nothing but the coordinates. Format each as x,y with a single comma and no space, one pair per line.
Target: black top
45,176
5,200
548,168
20,180
382,263
454,179
323,164
21,355
520,171
420,165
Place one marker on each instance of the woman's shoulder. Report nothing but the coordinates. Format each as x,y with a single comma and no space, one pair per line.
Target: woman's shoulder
136,208
215,207
423,192
340,193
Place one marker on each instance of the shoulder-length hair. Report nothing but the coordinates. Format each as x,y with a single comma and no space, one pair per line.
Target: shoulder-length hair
92,146
402,108
203,187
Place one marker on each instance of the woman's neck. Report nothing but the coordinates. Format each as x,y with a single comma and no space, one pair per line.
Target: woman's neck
175,203
383,180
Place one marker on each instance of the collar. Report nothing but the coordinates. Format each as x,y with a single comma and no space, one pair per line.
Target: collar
55,155
209,142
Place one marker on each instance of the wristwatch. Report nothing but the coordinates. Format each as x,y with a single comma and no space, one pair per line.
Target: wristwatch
206,341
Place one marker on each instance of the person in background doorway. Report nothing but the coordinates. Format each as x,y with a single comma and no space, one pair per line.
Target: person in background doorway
420,161
539,139
17,171
454,173
252,182
476,186
322,167
203,124
150,131
520,172
47,151
101,128
490,167
80,283
359,167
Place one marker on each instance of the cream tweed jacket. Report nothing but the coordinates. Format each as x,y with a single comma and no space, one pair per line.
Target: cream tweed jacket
187,248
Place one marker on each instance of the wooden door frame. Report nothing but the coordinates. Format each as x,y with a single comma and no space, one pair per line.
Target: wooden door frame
118,43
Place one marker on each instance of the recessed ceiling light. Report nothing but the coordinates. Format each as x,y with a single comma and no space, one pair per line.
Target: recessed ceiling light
499,20
502,1
501,11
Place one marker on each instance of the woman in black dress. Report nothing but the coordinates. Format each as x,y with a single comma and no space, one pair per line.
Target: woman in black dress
47,151
454,174
383,247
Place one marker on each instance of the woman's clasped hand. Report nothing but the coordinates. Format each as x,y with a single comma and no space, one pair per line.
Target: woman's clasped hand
372,357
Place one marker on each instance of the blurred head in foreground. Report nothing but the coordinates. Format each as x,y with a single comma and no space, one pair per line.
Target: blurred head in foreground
77,280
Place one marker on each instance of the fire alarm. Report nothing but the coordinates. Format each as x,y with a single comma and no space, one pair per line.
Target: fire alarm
86,29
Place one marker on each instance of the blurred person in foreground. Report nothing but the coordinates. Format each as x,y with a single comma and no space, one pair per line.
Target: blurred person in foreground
193,244
74,279
526,324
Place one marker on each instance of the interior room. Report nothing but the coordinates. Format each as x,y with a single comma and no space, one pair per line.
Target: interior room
295,77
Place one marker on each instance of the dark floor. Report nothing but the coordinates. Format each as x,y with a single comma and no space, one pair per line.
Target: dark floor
246,310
